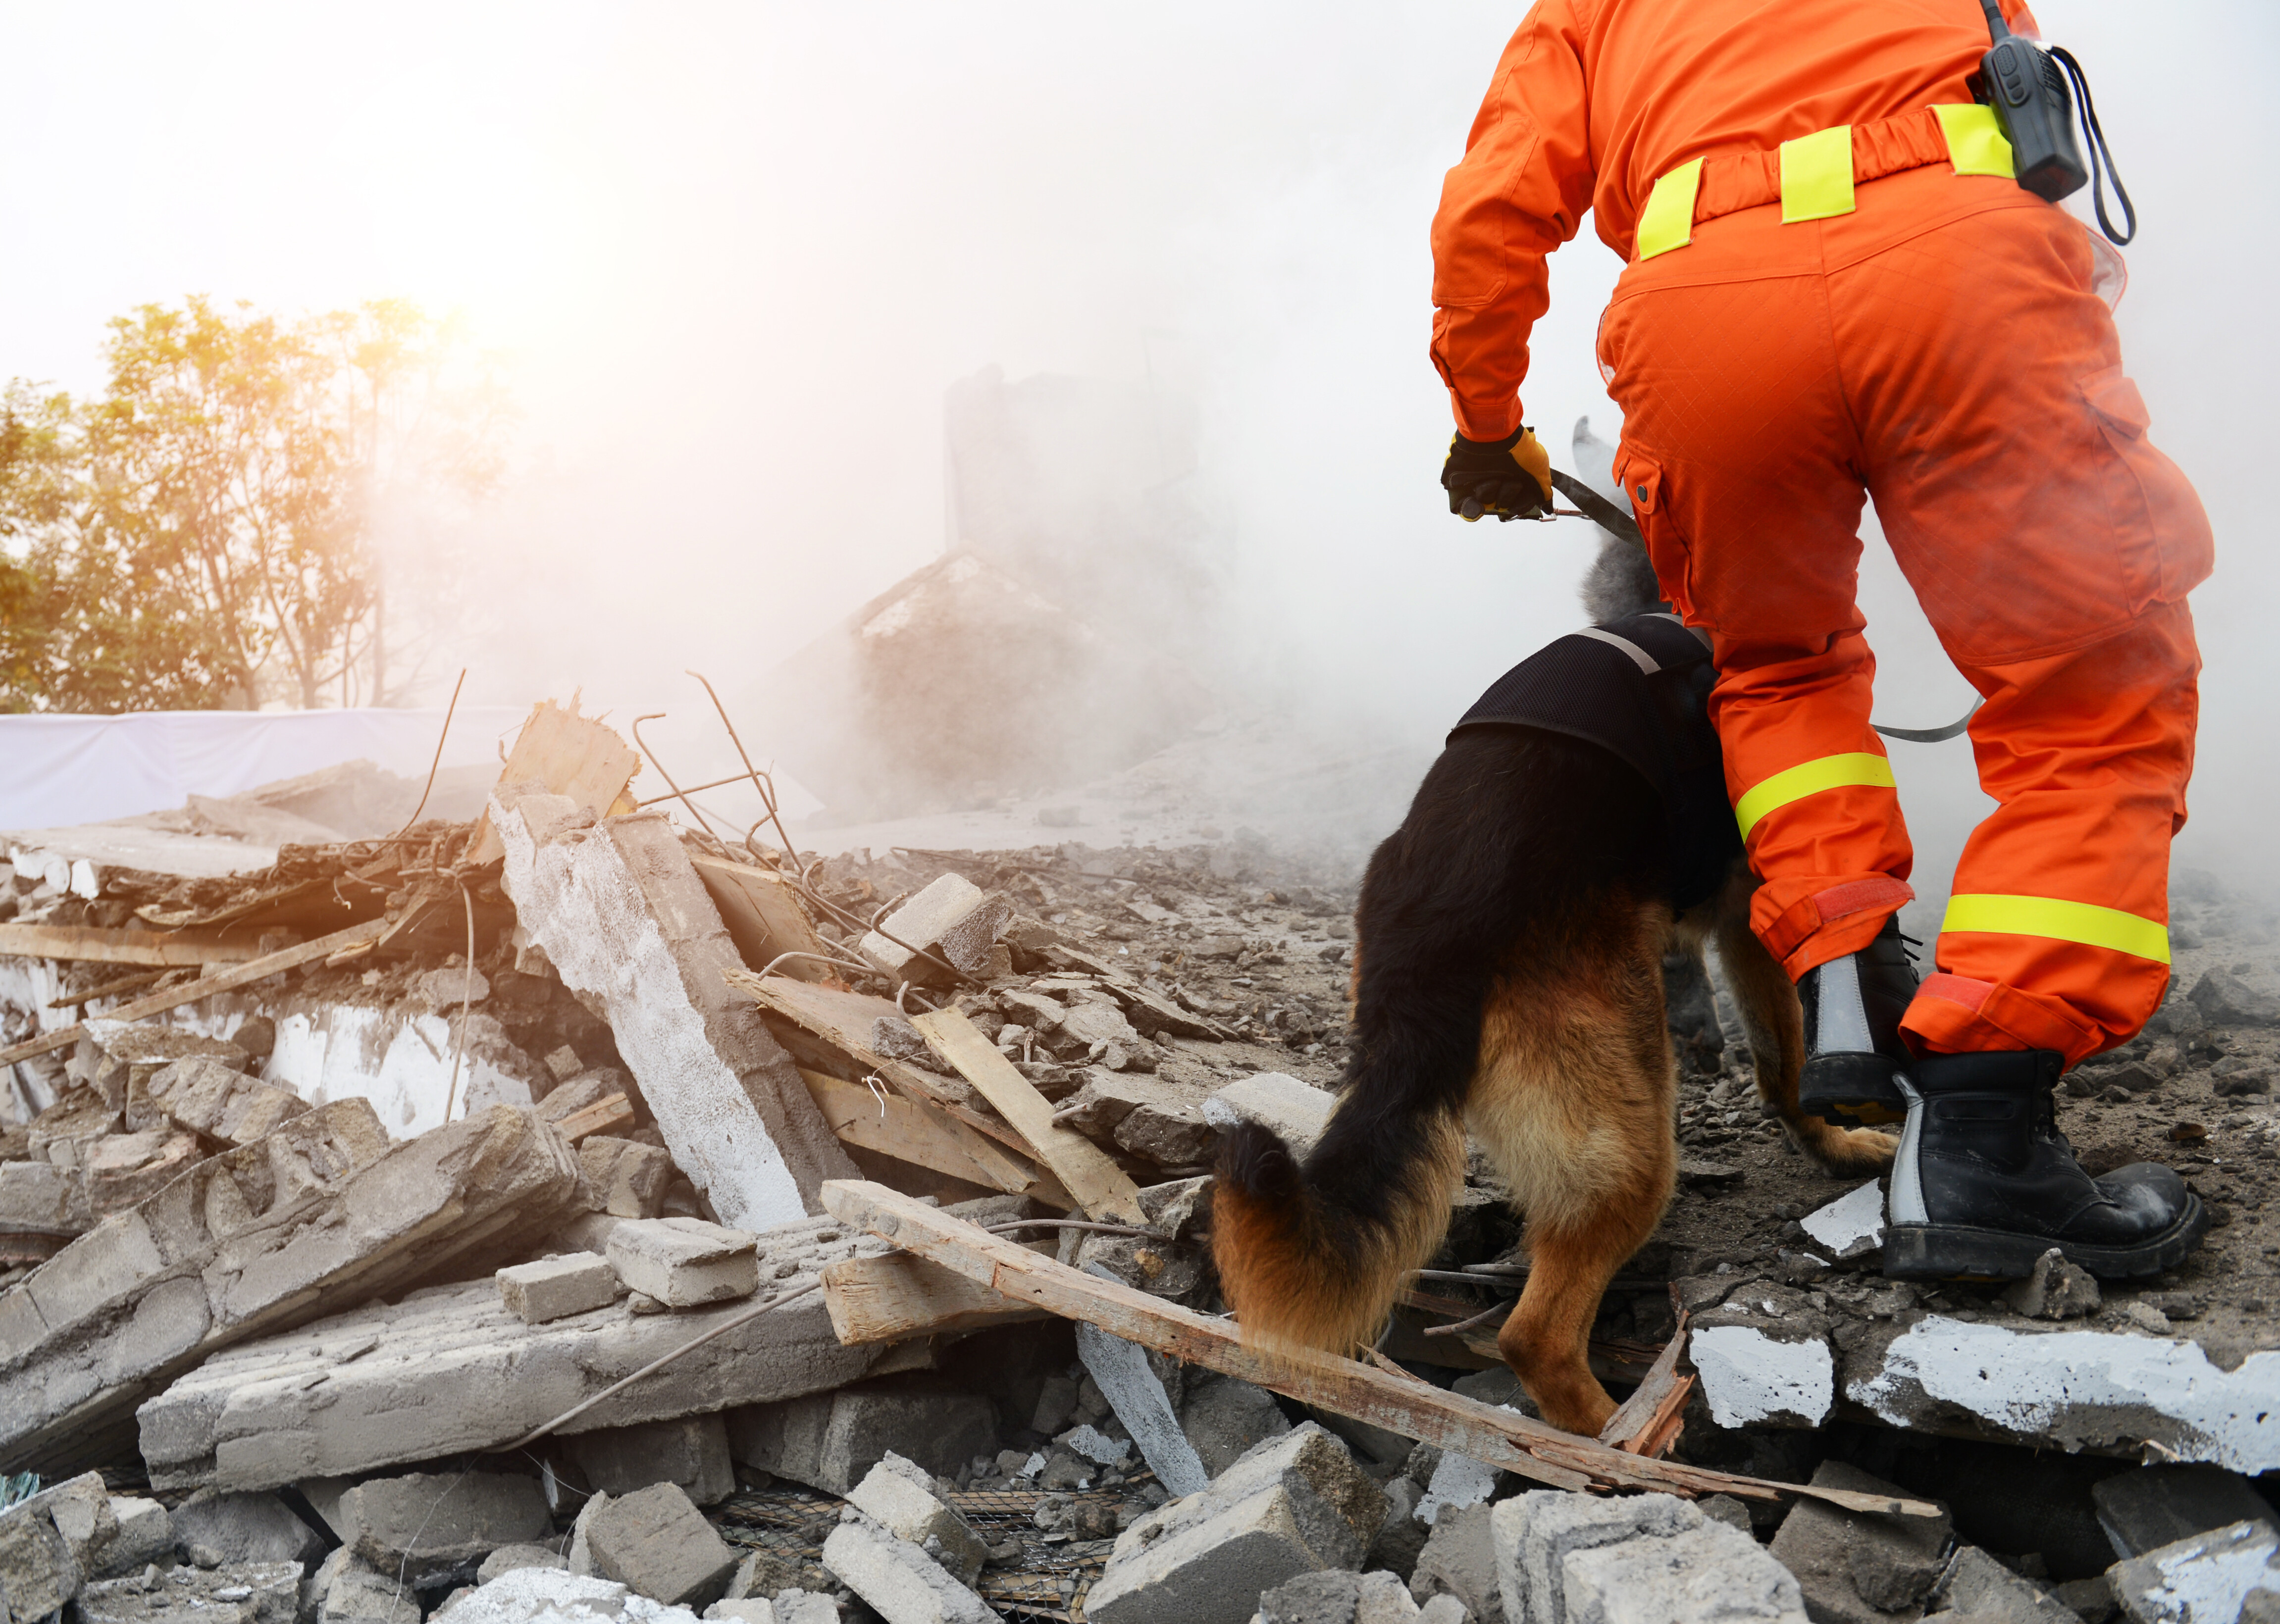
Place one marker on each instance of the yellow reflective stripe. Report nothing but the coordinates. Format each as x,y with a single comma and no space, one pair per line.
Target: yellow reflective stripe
1668,220
2061,921
1863,767
1816,174
1976,145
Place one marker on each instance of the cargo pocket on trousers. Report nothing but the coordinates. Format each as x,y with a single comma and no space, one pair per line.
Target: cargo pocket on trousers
2162,532
1641,479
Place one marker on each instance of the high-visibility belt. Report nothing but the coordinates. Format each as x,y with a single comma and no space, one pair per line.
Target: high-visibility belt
1813,177
1863,768
2061,921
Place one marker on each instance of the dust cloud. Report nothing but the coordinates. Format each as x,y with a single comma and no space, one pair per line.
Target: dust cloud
735,256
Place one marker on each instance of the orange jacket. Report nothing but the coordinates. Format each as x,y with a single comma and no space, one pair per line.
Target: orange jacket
1594,100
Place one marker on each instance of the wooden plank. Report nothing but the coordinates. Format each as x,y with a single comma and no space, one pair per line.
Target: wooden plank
571,755
898,1295
1639,1417
1102,1189
840,1022
204,987
764,917
1499,1437
87,943
612,1110
911,1132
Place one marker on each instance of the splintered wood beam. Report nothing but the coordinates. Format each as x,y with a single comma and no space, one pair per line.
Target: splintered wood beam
1647,1422
1498,1436
1101,1187
899,1296
571,755
87,943
612,1110
204,987
911,1132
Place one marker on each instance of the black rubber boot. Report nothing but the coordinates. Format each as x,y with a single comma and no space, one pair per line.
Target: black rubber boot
1984,1183
1852,1047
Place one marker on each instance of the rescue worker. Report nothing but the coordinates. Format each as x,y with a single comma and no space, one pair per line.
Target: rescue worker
1836,288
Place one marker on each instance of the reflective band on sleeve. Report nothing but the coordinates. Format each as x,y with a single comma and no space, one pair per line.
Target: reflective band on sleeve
1975,140
1861,767
1816,174
1668,220
2061,921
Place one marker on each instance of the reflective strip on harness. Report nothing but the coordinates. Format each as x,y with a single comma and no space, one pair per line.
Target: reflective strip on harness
1816,175
1639,656
2061,921
1862,768
1668,220
1976,145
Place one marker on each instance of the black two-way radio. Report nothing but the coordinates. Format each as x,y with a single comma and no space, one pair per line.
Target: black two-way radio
2023,85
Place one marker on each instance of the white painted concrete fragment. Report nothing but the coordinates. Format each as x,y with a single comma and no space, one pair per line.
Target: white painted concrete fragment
1748,1376
1296,1110
1852,1225
1458,1480
2205,1577
2083,1387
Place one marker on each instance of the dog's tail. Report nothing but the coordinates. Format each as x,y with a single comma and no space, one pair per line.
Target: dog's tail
1312,1257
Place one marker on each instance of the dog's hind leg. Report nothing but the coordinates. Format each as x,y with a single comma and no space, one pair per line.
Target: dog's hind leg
1768,1002
1573,1102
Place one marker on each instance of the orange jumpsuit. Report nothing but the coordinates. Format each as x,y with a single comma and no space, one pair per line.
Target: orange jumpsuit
1936,344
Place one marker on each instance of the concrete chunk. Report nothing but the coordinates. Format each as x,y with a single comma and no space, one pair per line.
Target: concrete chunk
1119,1369
42,1198
145,1534
2211,1576
320,1213
258,1415
685,1262
1293,1505
248,1593
553,1287
210,1096
829,1441
39,1570
1533,1535
1294,1110
217,1530
1852,1226
513,1558
900,1498
543,1595
629,1178
346,1590
627,923
435,1521
2225,1000
689,1452
1460,1561
1707,1573
952,916
656,1542
1854,1567
904,1584
1976,1584
2159,1505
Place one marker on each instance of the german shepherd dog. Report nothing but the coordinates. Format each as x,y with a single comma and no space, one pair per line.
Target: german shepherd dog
1508,984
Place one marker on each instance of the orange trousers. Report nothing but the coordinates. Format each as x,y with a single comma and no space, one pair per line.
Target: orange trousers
1939,350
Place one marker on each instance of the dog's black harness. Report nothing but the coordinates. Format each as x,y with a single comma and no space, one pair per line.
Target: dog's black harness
1639,687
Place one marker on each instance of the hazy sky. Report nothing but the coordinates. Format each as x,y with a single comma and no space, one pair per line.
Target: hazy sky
736,253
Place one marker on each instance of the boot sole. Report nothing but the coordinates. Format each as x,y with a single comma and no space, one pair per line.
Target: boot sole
1852,1090
1939,1251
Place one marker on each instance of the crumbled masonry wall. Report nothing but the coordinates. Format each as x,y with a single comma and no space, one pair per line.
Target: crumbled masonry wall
627,924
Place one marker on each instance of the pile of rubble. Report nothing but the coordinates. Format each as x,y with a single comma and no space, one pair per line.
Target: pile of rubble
564,1212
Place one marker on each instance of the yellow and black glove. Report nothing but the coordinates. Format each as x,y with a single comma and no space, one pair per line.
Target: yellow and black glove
1511,477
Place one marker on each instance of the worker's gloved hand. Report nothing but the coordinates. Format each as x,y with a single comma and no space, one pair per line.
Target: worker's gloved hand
1511,477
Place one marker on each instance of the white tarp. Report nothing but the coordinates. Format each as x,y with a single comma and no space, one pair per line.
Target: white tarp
56,771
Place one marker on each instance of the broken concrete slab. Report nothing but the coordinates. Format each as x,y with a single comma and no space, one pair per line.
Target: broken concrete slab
215,1098
629,927
125,1170
1757,1370
1458,1560
900,1497
685,1262
545,1596
40,1198
1852,1226
2211,1576
829,1441
359,1392
1297,1112
427,1523
1293,1505
1705,1574
260,1593
2159,1505
1534,1534
1976,1585
222,1530
1121,1370
902,1582
272,1235
1224,1418
655,1541
1854,1567
689,1452
553,1287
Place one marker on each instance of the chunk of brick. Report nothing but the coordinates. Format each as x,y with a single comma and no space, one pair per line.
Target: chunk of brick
654,1541
555,1287
1295,1505
904,1583
685,1262
900,1497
